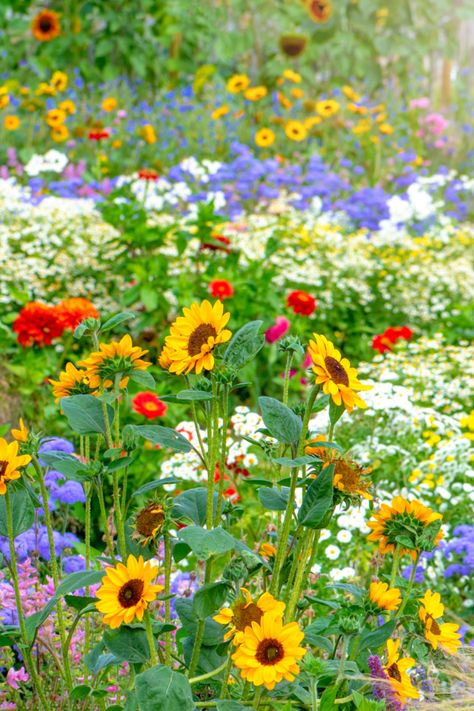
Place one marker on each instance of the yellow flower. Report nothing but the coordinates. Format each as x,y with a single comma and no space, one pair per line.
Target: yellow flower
60,134
11,123
68,106
148,522
10,463
72,381
220,112
245,612
383,597
320,10
46,26
164,359
396,670
126,591
255,93
45,89
269,651
109,104
402,518
117,143
297,93
21,434
290,75
327,108
237,83
349,477
444,634
148,133
295,131
335,374
264,137
194,336
267,550
355,109
350,94
468,422
386,128
114,360
4,100
59,80
312,121
286,103
55,117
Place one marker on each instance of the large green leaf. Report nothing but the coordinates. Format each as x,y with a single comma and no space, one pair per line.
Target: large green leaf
128,644
281,422
373,639
210,598
84,414
318,499
192,505
22,507
245,345
274,499
163,689
70,466
213,631
164,436
152,485
205,543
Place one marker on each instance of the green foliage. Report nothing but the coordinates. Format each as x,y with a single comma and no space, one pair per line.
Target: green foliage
281,422
318,500
160,687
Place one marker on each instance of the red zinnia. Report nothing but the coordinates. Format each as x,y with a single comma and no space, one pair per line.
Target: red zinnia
383,341
149,405
301,302
221,289
38,324
99,134
148,174
71,312
215,247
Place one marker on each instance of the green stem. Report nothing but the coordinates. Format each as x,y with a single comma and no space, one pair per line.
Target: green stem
118,517
223,692
406,597
257,698
87,536
294,566
105,523
167,543
25,650
150,638
396,561
197,647
212,458
208,675
300,575
286,381
222,460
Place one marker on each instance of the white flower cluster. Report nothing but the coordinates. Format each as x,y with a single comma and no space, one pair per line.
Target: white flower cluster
50,162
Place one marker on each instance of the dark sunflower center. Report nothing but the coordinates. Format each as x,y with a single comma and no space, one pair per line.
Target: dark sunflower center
45,24
130,594
269,652
199,337
394,672
432,625
336,371
3,467
244,615
349,476
149,520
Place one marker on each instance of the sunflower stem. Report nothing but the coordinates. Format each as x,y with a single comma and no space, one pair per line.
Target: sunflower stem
167,594
222,461
103,513
150,638
223,692
300,575
396,561
197,647
213,427
208,675
286,380
406,597
26,651
118,517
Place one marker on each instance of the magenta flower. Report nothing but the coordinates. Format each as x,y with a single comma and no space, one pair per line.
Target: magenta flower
278,330
16,675
421,103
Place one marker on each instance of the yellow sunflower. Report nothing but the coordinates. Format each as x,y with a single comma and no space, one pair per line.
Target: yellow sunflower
11,123
59,80
269,651
443,634
10,463
320,10
194,336
290,75
255,93
237,83
112,360
72,381
264,137
327,108
384,597
350,94
46,26
335,374
68,106
219,112
126,591
20,434
55,117
295,131
109,104
148,522
60,134
396,670
246,611
403,518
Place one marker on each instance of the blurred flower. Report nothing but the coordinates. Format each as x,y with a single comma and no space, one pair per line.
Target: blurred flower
71,312
68,106
264,137
148,404
55,117
219,112
11,122
295,131
384,597
386,128
301,302
60,134
59,80
290,75
38,324
278,330
422,103
320,10
46,26
109,104
20,434
350,94
14,676
385,340
148,134
237,83
99,134
221,289
327,108
255,93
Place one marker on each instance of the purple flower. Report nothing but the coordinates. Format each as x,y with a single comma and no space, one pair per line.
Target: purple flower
382,690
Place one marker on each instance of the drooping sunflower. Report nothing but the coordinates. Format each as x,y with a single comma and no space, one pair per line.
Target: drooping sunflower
410,520
338,378
194,336
396,670
320,10
264,137
443,634
72,381
114,359
148,522
349,477
384,597
126,591
10,463
295,131
46,26
269,651
245,611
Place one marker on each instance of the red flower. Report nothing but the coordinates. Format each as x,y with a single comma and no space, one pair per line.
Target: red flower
149,405
221,289
99,134
215,247
301,302
71,312
148,174
38,324
383,341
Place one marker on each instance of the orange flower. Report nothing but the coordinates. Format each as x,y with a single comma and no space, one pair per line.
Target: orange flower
72,311
38,324
46,26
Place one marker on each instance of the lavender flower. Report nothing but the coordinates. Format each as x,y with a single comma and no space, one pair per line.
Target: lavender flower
382,690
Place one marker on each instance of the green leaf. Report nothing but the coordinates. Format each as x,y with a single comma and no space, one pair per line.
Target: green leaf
321,403
143,377
96,660
245,345
80,692
298,462
230,706
373,639
192,505
326,702
79,602
128,644
318,500
205,543
151,485
213,631
274,499
209,598
68,465
75,581
280,421
22,507
164,436
84,414
335,411
193,395
117,320
163,689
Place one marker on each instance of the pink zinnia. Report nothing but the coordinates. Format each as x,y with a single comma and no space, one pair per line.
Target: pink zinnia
278,330
421,103
16,675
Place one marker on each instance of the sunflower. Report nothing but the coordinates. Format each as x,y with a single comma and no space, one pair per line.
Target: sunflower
349,477
148,134
295,131
264,137
350,94
339,380
11,123
4,100
117,359
194,336
20,434
255,93
10,463
237,83
246,611
386,129
444,634
327,108
46,26
72,381
311,122
148,522
290,75
59,80
60,134
68,106
320,10
410,521
383,597
164,359
55,117
396,670
109,104
219,112
126,591
293,45
269,651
